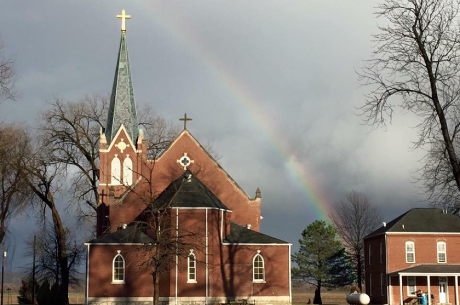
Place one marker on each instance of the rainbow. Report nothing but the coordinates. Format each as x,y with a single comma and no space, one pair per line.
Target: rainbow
298,170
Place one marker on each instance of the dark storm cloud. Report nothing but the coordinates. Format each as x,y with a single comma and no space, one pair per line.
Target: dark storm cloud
297,58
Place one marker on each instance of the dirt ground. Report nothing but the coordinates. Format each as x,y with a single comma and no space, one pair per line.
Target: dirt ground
301,296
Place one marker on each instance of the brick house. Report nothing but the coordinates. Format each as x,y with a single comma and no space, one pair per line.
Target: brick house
417,251
237,261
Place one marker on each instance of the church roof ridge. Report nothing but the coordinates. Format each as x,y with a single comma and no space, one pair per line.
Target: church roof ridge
122,109
186,131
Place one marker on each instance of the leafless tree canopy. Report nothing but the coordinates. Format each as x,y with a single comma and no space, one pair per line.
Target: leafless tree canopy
415,65
7,81
72,129
14,194
354,218
42,175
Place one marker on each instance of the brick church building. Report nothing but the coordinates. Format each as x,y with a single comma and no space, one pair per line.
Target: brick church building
232,262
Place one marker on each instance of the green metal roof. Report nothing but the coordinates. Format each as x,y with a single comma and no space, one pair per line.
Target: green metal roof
122,108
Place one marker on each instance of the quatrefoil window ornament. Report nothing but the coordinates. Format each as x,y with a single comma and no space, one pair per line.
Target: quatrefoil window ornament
185,161
121,145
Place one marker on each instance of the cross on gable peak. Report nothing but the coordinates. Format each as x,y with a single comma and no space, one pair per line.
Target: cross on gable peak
185,119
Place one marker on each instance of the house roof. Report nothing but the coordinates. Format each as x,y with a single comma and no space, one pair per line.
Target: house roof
189,192
242,235
430,269
130,235
421,220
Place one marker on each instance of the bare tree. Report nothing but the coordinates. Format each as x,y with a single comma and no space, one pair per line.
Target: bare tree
169,241
42,176
7,81
13,192
47,262
354,218
72,130
417,59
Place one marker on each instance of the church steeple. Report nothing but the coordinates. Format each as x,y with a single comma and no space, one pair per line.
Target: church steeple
122,110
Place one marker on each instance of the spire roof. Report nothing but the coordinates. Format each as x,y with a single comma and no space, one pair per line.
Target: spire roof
122,110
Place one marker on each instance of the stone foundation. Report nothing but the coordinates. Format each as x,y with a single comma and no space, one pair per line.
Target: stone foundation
191,301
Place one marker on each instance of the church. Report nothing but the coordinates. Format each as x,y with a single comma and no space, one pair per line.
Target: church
228,260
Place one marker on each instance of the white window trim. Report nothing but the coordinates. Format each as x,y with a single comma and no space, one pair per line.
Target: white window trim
413,251
114,281
263,269
415,286
127,171
115,171
188,267
445,251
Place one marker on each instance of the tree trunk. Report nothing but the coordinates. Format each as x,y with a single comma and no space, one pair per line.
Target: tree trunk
317,298
156,288
360,271
62,254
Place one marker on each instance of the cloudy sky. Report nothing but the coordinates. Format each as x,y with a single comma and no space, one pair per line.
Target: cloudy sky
271,84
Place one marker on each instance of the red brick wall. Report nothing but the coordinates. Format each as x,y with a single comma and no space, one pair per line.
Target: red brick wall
425,249
230,266
166,170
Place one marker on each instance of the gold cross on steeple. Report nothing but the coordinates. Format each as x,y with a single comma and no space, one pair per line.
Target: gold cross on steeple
123,17
185,119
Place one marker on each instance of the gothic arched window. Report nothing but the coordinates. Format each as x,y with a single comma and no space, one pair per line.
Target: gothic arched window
258,268
118,270
128,171
191,269
116,171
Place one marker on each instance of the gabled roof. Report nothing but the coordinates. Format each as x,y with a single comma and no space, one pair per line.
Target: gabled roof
189,134
242,235
130,235
122,109
421,220
189,192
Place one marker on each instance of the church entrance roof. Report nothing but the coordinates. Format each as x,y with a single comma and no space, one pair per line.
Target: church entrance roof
189,192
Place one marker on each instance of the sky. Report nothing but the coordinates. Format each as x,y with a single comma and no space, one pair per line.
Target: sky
271,84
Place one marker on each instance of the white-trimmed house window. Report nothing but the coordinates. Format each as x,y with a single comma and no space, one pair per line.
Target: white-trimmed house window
258,268
371,292
370,255
410,252
441,252
411,286
382,286
118,270
116,171
381,253
127,171
191,267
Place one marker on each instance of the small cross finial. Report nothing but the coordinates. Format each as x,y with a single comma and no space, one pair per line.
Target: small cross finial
185,119
123,18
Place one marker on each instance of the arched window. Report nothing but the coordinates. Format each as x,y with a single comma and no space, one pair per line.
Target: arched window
128,171
441,252
258,268
118,270
191,269
410,252
116,171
